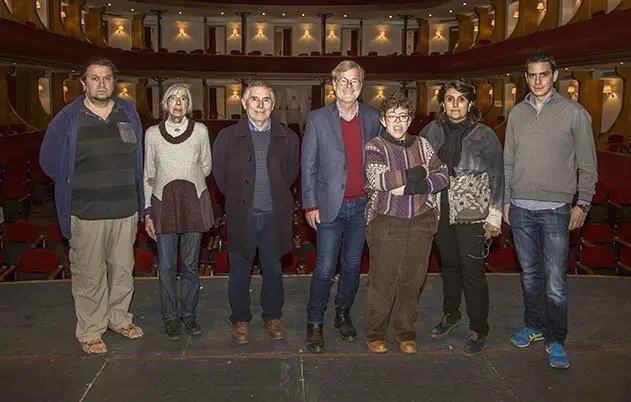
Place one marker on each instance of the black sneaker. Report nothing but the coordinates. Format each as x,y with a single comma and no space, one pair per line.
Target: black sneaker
475,343
173,329
446,324
192,327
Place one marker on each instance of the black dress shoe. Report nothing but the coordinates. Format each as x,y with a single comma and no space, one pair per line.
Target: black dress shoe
192,326
315,338
344,325
173,329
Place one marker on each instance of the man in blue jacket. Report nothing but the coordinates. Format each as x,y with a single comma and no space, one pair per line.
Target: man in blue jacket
334,199
93,152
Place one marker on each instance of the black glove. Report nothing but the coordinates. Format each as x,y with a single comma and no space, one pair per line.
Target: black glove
417,173
416,187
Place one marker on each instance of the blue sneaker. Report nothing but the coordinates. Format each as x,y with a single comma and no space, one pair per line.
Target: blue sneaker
525,337
557,357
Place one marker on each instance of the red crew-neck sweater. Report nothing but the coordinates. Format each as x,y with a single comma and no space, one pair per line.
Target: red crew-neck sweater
352,136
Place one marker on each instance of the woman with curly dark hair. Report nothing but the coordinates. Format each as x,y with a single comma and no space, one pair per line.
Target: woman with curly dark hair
403,174
470,210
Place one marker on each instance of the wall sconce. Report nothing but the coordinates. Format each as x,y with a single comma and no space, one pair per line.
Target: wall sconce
436,90
380,93
571,90
493,22
491,92
65,89
124,92
40,88
516,14
235,32
259,33
63,14
82,21
120,29
331,94
235,94
382,35
513,91
475,28
332,33
607,90
438,35
38,5
541,6
307,33
182,32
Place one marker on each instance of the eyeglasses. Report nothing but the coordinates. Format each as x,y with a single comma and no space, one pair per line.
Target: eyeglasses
345,81
392,118
175,98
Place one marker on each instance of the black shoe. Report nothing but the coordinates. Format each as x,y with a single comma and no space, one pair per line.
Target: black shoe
192,326
446,324
315,337
173,329
475,343
344,325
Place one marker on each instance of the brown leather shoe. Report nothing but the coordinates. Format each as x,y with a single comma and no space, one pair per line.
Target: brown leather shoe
377,346
240,333
408,346
275,329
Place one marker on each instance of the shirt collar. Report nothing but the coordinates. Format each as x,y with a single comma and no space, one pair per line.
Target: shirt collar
256,130
354,114
530,98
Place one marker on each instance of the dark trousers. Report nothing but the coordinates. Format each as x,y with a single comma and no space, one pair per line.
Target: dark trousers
265,238
542,243
462,266
348,230
189,277
399,254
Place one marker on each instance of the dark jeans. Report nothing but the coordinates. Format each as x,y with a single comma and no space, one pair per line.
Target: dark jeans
264,235
462,266
542,243
189,275
348,230
399,254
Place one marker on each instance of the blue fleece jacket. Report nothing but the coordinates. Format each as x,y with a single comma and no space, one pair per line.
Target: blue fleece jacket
57,156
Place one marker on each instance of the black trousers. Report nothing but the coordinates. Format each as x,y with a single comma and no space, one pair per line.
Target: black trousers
460,247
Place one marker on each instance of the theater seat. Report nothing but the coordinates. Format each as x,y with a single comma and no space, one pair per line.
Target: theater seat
503,259
144,263
625,259
39,264
220,263
596,258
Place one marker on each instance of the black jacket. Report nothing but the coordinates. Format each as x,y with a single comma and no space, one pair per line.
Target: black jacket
235,171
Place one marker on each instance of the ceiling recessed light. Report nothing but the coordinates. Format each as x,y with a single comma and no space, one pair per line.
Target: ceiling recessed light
180,13
109,4
430,14
303,14
622,62
132,9
345,16
262,13
283,14
464,3
451,11
222,13
389,16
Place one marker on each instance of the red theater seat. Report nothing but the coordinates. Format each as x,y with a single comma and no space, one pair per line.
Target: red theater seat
503,259
144,262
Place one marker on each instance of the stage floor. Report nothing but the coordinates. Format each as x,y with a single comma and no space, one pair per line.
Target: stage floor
41,361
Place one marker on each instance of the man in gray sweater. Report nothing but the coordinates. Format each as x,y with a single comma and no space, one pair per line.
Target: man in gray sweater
549,142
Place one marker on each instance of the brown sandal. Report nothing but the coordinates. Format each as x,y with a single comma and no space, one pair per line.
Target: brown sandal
94,347
131,331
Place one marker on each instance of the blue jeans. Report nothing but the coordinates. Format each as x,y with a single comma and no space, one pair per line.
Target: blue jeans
189,277
264,236
348,230
542,243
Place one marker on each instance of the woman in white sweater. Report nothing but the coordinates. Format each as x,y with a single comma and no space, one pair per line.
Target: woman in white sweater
177,206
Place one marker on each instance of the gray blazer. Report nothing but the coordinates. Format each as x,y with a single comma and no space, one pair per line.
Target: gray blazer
323,161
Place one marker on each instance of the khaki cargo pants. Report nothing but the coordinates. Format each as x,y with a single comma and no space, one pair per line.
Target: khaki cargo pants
101,262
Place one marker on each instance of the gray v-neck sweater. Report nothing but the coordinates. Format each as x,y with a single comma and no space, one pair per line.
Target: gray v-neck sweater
545,151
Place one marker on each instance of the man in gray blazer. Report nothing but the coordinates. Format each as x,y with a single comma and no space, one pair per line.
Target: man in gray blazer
333,197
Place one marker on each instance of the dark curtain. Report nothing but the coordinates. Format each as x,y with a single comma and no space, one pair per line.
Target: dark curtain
316,96
415,45
354,42
212,100
148,42
212,40
287,42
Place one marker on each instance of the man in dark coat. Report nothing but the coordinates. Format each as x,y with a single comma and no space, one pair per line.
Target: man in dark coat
255,163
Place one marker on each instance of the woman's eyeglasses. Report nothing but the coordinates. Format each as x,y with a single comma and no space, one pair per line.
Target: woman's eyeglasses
392,118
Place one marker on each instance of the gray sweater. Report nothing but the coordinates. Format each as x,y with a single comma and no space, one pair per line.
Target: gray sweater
544,151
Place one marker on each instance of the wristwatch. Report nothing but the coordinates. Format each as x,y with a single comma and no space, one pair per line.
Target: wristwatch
585,207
